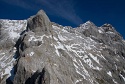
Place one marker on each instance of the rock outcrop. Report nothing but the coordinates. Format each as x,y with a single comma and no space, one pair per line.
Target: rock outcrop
48,53
39,23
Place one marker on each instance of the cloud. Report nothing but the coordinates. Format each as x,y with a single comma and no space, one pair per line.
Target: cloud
22,3
62,8
17,3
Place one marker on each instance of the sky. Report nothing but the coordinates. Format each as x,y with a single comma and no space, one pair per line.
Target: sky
69,12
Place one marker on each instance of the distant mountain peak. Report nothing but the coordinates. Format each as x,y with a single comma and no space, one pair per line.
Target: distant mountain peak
88,23
107,25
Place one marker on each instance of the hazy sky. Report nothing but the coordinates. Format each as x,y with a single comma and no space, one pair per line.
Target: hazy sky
69,12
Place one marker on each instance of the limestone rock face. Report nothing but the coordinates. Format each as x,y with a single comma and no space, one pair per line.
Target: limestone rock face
44,52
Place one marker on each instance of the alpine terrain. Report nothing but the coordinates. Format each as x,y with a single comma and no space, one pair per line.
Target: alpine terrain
38,51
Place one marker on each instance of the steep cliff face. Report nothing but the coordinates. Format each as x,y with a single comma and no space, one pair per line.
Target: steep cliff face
43,52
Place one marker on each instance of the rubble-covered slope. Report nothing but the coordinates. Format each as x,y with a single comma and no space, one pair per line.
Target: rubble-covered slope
38,51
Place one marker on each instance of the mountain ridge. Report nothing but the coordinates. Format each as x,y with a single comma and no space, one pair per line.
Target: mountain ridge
42,52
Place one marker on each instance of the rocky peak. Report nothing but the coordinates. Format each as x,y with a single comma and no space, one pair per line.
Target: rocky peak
39,23
88,29
89,22
108,27
110,30
41,12
87,25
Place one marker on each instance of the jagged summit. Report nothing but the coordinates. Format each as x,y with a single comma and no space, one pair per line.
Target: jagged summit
108,27
39,22
88,23
38,51
41,12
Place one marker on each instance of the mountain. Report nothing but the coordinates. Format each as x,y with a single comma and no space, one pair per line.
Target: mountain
38,51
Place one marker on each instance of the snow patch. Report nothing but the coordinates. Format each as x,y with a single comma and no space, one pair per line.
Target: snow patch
61,38
80,69
7,71
33,71
32,53
37,38
3,65
14,27
14,35
77,81
59,46
122,77
109,73
100,31
115,81
94,58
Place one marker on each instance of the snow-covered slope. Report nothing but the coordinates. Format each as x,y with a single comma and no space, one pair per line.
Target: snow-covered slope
13,27
48,53
10,31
